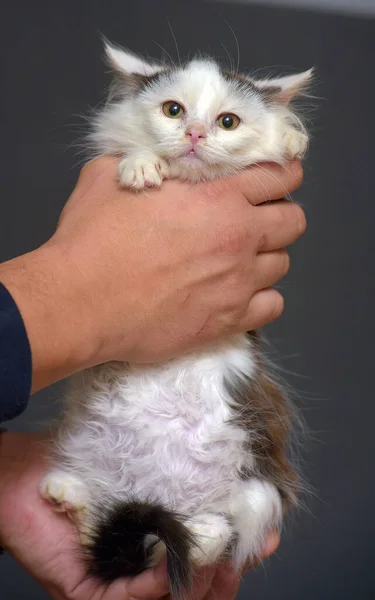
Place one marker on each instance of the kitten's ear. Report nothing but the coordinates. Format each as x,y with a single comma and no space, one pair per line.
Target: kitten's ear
284,89
126,63
132,73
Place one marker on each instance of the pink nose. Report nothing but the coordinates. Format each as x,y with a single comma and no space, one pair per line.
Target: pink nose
196,132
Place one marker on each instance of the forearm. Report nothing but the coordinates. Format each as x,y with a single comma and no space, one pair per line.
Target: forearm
52,307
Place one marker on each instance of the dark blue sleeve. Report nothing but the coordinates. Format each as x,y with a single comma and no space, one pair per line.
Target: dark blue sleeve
15,359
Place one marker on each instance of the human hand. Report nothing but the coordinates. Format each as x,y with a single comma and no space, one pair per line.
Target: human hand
45,542
222,582
146,277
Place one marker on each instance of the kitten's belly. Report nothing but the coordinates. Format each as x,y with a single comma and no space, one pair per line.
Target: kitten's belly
186,467
167,434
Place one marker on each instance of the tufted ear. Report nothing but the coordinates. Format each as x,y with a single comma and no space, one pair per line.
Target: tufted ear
126,63
283,90
132,73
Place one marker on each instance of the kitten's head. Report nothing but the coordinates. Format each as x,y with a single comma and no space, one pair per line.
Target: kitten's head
203,120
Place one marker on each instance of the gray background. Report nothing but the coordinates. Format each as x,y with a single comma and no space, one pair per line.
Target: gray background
52,71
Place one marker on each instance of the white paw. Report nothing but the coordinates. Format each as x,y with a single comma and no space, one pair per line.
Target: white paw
295,143
66,493
256,510
138,172
212,534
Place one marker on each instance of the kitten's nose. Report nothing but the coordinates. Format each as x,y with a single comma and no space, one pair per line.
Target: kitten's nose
196,131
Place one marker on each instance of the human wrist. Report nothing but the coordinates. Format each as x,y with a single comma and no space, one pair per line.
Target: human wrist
2,433
6,467
51,299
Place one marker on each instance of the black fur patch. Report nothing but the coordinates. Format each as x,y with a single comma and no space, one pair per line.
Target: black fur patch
238,78
267,92
131,85
145,80
117,544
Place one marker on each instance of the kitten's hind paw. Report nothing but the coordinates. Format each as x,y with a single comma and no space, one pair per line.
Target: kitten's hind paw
138,172
65,492
212,534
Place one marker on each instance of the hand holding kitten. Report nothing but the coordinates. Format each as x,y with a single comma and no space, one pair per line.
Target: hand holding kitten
145,278
45,543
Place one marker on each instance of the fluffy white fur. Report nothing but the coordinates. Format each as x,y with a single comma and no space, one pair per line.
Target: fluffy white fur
155,147
163,433
166,433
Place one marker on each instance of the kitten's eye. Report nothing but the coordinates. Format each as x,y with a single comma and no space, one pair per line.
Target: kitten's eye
228,121
173,110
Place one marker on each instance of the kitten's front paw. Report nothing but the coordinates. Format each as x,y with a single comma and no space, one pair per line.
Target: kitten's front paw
66,493
296,143
138,172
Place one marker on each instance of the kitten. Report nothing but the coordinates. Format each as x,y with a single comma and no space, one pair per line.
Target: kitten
187,458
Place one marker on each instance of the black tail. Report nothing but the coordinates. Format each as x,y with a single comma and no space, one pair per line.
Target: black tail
118,545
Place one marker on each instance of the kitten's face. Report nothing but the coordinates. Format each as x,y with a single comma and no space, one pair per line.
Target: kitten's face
198,115
202,120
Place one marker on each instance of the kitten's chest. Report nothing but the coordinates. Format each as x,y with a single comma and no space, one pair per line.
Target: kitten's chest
179,429
187,397
185,407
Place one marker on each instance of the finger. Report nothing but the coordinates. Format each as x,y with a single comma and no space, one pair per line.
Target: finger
152,584
270,267
202,583
116,590
270,546
260,183
94,174
270,181
278,224
97,166
264,307
225,584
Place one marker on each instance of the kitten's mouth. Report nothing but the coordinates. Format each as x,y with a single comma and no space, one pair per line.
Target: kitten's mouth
192,153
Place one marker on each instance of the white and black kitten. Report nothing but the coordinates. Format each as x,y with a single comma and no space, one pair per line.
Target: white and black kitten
188,457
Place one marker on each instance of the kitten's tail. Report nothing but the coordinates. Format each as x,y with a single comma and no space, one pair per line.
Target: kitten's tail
125,540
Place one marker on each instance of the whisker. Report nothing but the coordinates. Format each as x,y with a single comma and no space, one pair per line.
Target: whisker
275,179
263,185
271,70
231,64
165,52
237,44
175,42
